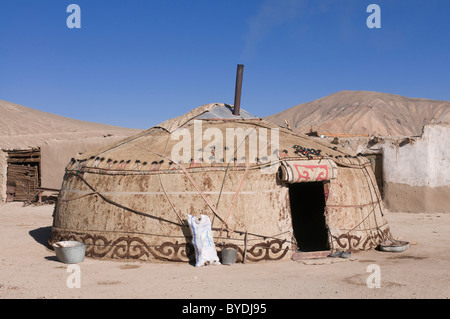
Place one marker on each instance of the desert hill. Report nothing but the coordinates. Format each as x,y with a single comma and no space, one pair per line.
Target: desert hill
21,126
365,113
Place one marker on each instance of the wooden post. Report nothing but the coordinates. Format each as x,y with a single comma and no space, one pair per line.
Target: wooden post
245,248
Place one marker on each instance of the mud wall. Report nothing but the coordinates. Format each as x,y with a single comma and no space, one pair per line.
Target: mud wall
417,174
56,154
416,170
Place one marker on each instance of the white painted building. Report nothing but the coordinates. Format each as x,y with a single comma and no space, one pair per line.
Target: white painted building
414,171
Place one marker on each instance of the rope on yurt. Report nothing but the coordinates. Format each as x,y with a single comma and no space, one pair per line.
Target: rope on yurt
206,200
245,173
235,196
192,181
382,235
78,197
367,217
170,202
243,177
357,206
290,132
174,236
359,166
159,218
373,203
187,174
167,196
110,201
221,190
354,206
242,180
367,176
357,225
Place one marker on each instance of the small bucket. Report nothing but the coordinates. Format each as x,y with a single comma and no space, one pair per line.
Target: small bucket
229,256
70,251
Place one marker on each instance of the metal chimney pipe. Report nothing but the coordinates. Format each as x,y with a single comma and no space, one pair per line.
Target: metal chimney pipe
237,94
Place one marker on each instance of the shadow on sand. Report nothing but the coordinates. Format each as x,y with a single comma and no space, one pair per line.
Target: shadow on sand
41,235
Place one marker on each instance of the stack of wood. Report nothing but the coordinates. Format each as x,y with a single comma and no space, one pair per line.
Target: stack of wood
23,175
26,181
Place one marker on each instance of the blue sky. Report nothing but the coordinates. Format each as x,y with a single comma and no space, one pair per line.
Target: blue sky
137,63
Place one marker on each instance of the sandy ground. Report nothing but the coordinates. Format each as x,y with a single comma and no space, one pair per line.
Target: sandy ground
30,270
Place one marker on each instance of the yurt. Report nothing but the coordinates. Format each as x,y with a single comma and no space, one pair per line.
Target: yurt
269,193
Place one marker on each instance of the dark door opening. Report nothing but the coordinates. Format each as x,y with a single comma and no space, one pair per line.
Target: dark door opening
376,161
307,202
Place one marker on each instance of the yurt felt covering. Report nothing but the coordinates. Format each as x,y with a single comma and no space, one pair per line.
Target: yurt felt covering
131,200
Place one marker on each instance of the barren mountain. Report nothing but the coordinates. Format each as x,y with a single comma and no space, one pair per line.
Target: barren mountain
364,113
21,126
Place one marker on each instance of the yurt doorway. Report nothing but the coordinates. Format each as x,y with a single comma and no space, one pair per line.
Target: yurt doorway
307,202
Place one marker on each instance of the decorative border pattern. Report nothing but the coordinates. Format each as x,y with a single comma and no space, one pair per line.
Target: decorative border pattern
133,247
348,241
263,251
304,170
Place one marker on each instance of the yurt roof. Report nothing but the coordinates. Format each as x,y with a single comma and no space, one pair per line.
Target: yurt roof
153,147
204,112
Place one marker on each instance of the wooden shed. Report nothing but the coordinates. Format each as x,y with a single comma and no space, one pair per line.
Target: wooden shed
35,147
23,174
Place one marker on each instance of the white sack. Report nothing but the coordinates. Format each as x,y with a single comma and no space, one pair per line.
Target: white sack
202,239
